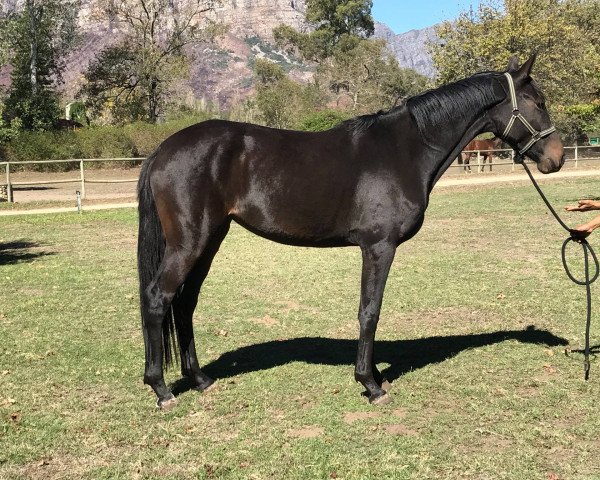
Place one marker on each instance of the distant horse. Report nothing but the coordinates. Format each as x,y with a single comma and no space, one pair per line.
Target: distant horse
364,183
484,147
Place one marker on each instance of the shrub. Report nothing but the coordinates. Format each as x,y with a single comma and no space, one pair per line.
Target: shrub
134,140
324,120
43,146
105,142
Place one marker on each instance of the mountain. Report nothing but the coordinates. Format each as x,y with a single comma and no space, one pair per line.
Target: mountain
221,73
410,48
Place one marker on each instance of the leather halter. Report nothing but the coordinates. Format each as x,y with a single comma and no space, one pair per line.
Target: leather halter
536,135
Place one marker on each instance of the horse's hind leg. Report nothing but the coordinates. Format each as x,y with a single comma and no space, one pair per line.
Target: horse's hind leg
466,162
156,304
183,310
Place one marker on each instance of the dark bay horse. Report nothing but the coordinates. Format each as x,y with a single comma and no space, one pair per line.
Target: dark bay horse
484,146
364,183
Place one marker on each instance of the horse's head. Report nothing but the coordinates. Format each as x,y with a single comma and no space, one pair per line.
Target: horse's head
522,120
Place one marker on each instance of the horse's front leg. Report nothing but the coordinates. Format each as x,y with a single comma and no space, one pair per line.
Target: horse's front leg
377,260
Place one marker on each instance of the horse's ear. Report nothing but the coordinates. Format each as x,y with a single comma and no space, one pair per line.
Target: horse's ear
525,70
513,64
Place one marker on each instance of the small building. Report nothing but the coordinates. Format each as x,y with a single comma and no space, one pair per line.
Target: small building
594,138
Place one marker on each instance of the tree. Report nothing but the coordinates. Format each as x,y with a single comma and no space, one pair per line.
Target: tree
333,21
564,33
34,40
132,79
365,78
280,101
359,73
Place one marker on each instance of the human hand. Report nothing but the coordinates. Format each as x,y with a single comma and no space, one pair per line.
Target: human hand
584,206
580,232
584,230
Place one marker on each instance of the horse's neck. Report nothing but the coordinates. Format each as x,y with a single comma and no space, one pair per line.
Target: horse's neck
455,139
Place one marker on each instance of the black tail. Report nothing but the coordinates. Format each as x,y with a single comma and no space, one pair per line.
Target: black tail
151,248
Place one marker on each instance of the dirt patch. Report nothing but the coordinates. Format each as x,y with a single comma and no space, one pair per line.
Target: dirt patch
352,417
306,432
400,412
266,321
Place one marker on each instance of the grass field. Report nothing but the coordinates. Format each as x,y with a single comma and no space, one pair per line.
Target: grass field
476,319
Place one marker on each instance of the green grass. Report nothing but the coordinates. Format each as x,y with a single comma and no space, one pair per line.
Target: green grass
476,394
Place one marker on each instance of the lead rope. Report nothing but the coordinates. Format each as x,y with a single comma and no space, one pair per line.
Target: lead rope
588,251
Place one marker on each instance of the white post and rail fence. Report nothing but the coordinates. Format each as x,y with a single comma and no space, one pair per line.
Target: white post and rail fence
574,155
6,189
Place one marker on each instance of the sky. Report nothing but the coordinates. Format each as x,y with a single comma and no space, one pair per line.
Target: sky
404,15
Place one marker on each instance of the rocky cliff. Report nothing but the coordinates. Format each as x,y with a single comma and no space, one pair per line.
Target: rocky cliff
410,48
222,73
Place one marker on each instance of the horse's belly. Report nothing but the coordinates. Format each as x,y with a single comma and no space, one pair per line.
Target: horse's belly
293,222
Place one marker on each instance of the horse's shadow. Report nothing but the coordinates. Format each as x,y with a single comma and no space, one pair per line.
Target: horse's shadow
19,251
402,355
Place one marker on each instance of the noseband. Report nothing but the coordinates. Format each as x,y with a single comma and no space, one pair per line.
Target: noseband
536,135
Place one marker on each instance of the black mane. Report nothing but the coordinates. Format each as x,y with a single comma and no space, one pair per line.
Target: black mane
364,122
440,106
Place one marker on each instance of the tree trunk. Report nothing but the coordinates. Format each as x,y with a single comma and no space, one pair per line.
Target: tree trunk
34,53
152,101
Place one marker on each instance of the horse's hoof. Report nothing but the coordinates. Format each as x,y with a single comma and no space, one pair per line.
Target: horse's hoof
381,399
387,386
167,404
206,386
211,386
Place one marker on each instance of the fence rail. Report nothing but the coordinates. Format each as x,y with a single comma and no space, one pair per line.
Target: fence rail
573,155
80,179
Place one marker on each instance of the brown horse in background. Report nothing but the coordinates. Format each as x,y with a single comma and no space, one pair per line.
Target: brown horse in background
484,147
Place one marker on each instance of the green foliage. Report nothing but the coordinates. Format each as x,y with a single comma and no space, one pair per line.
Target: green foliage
323,120
36,38
137,139
363,77
112,85
354,73
146,137
564,33
104,142
579,121
279,100
79,113
334,21
8,129
133,80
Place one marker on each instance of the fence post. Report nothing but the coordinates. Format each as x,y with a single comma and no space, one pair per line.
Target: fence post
9,192
576,154
512,159
82,179
478,161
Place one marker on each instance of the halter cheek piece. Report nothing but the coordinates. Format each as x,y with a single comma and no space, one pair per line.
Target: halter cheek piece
536,135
